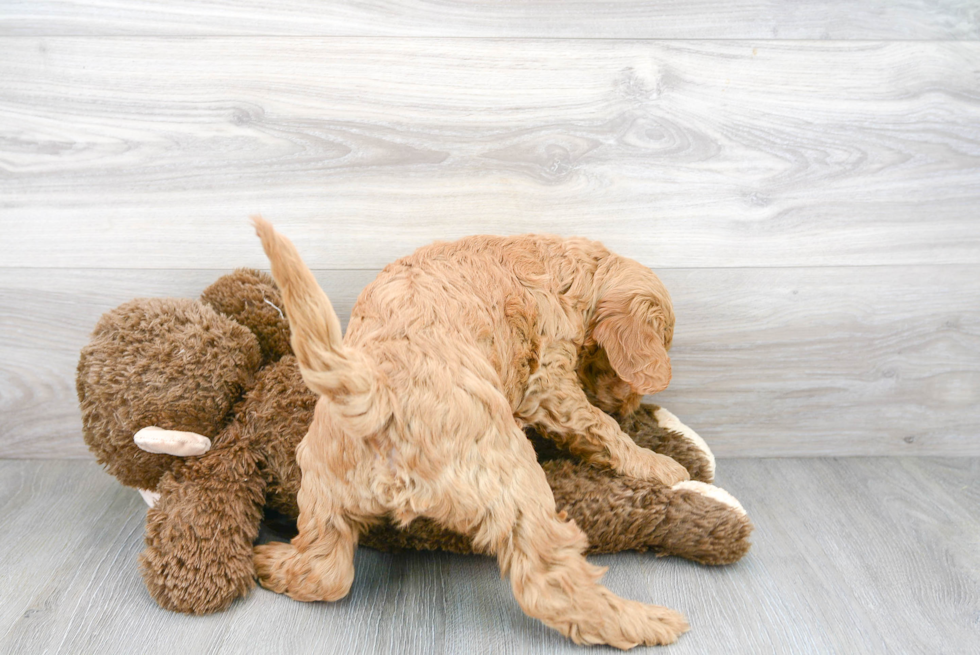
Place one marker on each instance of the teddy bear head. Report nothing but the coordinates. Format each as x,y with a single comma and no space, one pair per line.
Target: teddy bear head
176,364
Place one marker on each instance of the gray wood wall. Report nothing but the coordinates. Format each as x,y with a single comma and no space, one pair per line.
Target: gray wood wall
805,177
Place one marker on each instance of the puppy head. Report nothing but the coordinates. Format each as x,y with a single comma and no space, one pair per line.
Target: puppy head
633,323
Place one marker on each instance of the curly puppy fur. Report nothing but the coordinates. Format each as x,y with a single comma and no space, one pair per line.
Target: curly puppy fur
447,355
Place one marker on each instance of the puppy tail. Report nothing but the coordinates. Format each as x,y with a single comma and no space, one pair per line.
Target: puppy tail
344,375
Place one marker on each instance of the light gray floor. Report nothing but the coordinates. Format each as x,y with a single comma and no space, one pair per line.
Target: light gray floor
869,555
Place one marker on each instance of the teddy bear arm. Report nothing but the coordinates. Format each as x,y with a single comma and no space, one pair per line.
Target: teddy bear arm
655,428
199,535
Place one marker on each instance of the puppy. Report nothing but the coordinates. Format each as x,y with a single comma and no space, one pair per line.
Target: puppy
448,354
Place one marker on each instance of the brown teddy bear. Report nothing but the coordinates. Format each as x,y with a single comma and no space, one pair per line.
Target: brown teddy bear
200,405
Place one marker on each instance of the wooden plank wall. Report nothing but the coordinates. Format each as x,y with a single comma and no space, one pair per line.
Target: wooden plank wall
804,177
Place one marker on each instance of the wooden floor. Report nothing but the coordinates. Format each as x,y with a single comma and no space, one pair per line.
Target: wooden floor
861,555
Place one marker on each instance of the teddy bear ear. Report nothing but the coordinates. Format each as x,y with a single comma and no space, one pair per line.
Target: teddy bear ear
627,330
252,299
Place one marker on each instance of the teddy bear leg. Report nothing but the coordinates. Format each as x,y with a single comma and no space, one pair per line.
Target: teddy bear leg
703,523
616,512
657,429
199,534
692,519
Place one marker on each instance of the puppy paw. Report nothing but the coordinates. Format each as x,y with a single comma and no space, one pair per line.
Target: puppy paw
648,465
305,576
271,565
655,625
627,623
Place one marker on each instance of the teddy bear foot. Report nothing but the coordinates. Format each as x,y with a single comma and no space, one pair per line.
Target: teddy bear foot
691,441
178,586
706,524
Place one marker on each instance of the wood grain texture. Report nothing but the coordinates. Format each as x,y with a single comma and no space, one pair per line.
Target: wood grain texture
848,361
787,362
150,152
46,317
661,19
868,556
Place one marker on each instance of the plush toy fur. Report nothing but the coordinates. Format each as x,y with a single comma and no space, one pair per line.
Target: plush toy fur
222,368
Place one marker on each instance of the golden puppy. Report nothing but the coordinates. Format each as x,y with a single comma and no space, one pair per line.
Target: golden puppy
449,352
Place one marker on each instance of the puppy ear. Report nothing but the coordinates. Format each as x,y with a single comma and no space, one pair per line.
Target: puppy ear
634,343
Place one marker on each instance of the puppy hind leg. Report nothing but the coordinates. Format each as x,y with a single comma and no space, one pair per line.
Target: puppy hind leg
554,583
318,564
549,575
